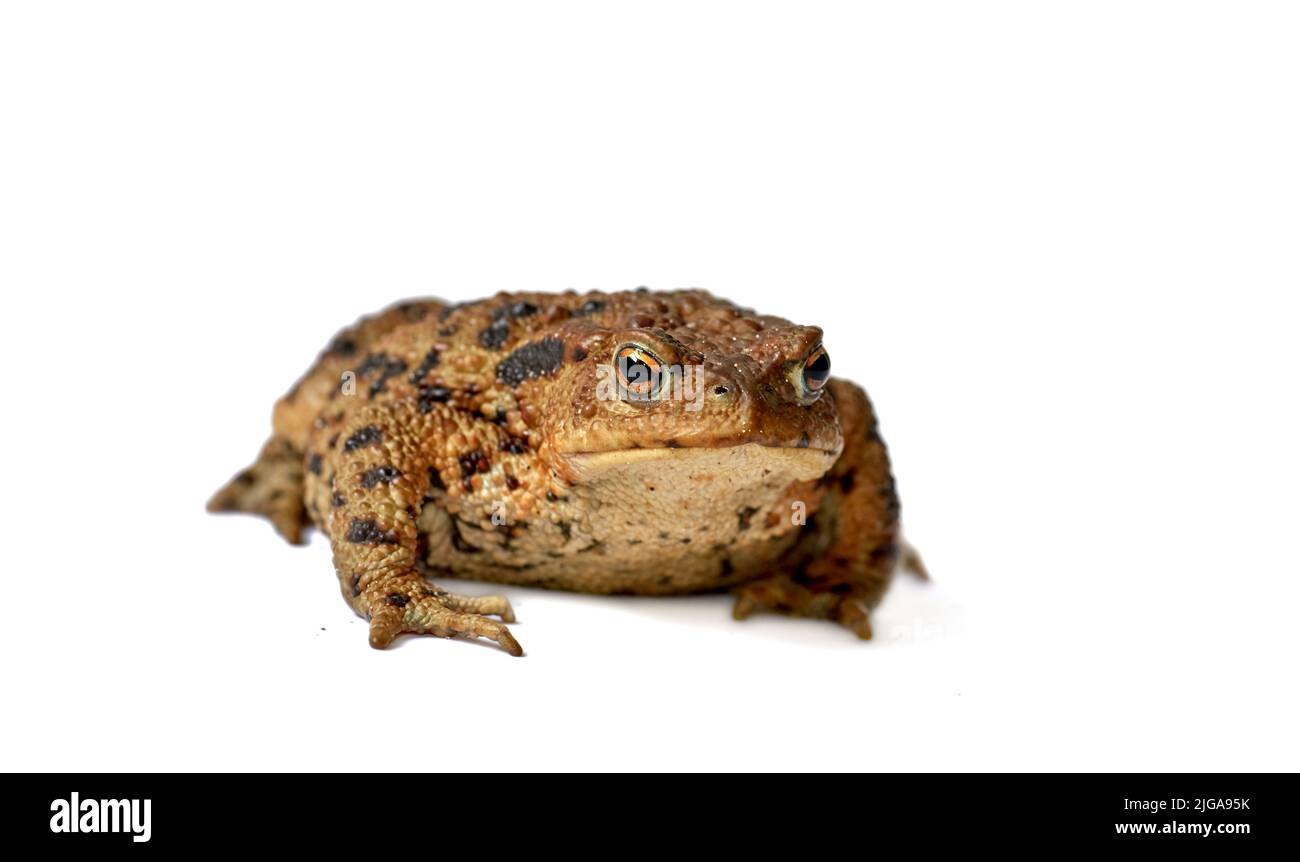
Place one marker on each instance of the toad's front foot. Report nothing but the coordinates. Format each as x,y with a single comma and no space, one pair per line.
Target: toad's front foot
410,605
845,604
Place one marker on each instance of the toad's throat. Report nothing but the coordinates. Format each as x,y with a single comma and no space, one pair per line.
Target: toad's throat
650,521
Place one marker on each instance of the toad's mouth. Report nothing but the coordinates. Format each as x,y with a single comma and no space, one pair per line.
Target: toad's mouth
753,460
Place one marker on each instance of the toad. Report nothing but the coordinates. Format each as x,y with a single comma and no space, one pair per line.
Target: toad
635,442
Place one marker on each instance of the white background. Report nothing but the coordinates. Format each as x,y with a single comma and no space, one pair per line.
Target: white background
1056,242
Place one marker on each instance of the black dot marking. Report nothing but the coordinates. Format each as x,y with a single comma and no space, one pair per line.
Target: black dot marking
397,600
501,417
591,306
368,436
495,335
889,493
393,369
551,497
427,364
473,462
886,552
379,476
430,396
578,353
435,479
313,464
372,363
366,531
343,346
383,365
514,311
515,446
338,500
355,583
744,516
846,481
413,310
534,359
511,482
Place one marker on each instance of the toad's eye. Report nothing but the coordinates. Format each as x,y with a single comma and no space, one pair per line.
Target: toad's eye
640,373
816,370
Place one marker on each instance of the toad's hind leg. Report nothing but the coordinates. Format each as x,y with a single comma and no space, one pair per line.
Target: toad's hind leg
847,557
271,487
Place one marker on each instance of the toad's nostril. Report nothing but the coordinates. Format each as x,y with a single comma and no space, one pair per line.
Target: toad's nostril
720,391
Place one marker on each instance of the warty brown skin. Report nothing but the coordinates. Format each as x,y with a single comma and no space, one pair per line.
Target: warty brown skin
476,440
